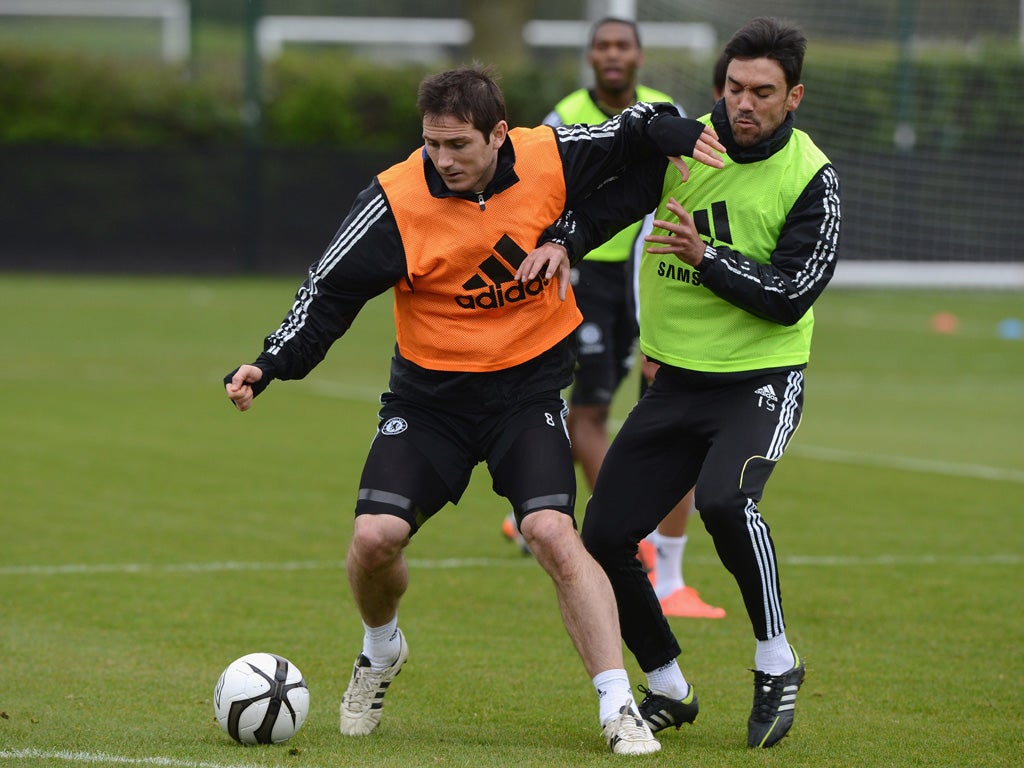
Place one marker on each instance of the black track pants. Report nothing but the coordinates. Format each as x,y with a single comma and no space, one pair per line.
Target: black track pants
726,438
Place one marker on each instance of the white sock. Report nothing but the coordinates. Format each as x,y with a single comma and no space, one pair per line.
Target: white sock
668,563
613,691
381,644
668,681
774,655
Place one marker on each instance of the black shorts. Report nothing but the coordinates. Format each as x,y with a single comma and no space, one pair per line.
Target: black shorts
607,336
422,458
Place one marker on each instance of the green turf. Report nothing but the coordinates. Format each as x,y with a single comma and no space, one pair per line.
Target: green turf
151,534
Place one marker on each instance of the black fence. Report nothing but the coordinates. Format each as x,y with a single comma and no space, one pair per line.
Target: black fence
174,211
274,211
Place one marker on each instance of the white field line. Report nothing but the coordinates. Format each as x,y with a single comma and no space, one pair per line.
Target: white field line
821,561
101,758
908,463
335,389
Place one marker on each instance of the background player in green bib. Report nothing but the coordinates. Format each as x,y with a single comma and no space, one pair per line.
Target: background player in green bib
605,293
735,261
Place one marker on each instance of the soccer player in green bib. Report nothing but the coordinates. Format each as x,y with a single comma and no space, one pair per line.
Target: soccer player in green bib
736,258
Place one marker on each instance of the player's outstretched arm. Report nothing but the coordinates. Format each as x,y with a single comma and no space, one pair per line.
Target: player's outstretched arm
239,388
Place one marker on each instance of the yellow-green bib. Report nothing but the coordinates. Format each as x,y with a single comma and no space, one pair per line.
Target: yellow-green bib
744,207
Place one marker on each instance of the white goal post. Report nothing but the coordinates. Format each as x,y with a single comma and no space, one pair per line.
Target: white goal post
272,32
692,36
173,15
950,275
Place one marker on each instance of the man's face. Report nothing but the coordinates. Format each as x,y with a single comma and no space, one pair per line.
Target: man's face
464,157
615,57
757,99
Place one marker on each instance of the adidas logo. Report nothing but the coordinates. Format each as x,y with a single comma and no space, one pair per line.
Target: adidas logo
767,392
488,291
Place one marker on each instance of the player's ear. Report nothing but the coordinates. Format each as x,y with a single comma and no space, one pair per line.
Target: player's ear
498,134
796,94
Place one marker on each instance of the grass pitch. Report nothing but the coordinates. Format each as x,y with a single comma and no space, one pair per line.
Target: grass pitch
152,534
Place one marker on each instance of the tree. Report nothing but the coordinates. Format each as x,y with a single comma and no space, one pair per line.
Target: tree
498,31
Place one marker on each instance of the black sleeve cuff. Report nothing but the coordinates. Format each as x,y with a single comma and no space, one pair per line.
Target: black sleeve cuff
258,386
675,136
560,233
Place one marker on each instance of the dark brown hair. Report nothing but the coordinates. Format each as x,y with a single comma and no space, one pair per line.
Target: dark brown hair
468,93
772,39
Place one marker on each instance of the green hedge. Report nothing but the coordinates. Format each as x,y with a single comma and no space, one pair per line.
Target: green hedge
341,101
326,100
86,101
855,99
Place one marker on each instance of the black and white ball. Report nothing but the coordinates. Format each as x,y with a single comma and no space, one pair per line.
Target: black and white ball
261,698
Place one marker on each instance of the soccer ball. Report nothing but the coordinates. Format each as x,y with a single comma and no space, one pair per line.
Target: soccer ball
261,698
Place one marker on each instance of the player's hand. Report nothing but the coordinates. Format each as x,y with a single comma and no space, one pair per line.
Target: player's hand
552,260
708,150
682,239
648,368
239,389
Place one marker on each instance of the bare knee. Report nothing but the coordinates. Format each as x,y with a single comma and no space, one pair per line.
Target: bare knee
377,541
552,538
